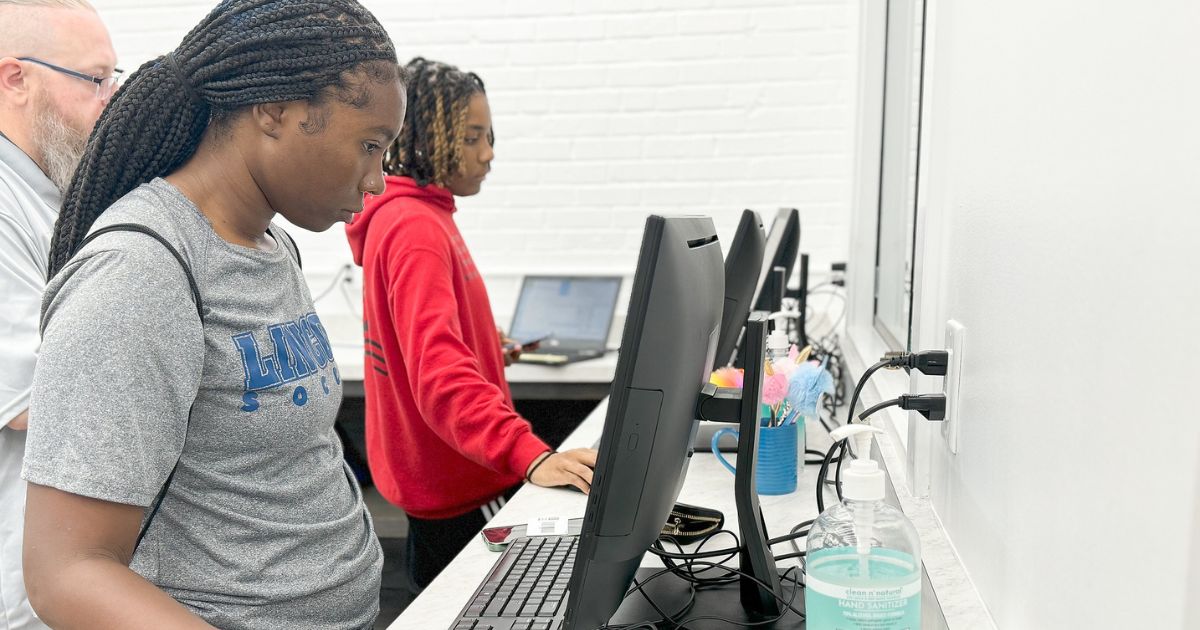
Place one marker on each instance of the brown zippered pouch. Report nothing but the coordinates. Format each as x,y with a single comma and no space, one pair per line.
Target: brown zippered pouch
687,524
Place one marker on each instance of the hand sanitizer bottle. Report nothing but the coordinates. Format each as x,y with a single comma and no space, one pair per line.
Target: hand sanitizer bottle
863,566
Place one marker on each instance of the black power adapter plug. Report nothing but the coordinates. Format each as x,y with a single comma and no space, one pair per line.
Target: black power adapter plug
932,406
931,362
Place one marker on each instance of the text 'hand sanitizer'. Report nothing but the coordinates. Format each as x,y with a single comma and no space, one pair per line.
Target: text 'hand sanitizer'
863,566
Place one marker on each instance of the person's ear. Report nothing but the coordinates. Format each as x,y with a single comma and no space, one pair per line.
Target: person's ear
14,86
268,117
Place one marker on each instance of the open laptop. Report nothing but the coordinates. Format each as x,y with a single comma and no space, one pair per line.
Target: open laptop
571,315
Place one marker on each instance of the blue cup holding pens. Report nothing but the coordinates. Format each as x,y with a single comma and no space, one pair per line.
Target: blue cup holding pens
775,473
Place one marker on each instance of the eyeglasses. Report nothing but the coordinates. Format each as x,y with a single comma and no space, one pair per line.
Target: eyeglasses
105,87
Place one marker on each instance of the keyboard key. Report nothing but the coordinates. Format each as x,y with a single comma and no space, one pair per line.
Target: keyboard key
495,608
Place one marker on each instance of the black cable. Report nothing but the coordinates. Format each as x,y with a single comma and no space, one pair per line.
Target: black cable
862,381
795,533
685,572
814,462
798,579
837,475
663,553
789,556
788,604
883,405
829,423
825,472
808,524
665,617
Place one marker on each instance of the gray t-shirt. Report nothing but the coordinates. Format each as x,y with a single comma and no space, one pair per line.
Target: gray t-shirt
264,525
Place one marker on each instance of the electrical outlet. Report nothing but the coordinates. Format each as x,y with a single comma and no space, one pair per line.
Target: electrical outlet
952,384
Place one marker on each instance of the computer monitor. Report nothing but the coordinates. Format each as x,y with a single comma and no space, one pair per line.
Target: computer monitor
743,262
667,351
783,245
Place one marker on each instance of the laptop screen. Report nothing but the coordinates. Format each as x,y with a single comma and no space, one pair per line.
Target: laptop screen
575,311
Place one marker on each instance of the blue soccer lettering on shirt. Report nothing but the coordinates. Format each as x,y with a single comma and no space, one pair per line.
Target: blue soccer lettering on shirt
301,348
314,336
318,336
295,358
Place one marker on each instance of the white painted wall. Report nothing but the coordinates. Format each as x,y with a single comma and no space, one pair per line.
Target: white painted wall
608,110
1062,163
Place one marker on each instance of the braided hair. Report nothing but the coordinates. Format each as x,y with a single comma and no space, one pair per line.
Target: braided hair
244,52
429,147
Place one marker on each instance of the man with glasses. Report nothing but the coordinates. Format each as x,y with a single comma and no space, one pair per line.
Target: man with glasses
57,72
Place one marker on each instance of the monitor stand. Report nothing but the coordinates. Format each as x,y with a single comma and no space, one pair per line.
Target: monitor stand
755,558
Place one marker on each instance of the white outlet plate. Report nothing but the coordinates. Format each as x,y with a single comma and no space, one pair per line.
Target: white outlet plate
952,384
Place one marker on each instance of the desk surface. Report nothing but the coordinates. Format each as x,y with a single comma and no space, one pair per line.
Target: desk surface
707,484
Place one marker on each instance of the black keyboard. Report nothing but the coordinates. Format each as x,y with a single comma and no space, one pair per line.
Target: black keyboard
526,590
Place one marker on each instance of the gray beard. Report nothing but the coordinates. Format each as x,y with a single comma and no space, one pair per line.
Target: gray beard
61,145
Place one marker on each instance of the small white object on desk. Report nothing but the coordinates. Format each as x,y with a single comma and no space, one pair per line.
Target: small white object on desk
547,526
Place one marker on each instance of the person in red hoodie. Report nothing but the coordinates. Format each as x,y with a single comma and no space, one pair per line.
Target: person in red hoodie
444,442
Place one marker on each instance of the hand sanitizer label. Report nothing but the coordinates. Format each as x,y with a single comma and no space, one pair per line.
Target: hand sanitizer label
848,591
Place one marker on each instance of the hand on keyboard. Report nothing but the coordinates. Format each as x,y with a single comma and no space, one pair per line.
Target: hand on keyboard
568,468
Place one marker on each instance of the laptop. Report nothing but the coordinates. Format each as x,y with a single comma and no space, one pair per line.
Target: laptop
570,315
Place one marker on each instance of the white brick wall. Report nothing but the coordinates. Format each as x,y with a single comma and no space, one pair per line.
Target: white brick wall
608,110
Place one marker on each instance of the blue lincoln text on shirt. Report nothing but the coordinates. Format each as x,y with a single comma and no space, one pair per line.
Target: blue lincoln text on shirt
301,349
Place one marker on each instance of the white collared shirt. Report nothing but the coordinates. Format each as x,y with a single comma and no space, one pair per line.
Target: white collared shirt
29,204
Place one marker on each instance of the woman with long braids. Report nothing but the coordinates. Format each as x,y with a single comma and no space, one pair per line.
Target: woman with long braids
182,464
443,440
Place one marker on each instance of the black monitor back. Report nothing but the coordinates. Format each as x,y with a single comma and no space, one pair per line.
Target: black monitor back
666,355
743,264
783,246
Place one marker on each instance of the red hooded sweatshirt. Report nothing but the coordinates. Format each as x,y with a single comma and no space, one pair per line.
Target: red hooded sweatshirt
442,435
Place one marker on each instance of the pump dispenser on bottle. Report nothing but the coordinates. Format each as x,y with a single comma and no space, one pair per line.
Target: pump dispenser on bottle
777,343
863,566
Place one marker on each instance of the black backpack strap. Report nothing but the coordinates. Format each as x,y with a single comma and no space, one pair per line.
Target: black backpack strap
292,247
135,227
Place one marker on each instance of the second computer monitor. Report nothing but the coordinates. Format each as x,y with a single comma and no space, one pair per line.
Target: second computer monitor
743,262
667,351
783,246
